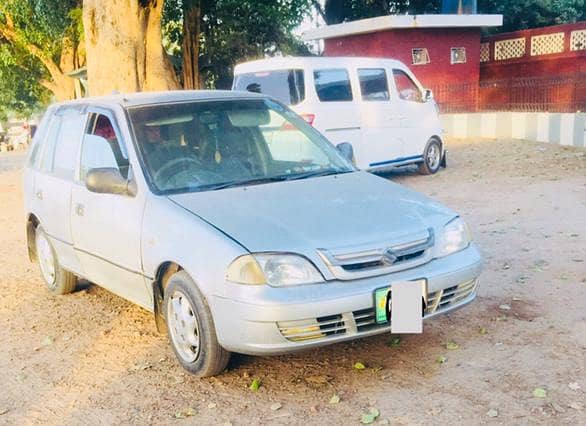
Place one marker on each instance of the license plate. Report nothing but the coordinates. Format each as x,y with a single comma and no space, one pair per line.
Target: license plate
401,304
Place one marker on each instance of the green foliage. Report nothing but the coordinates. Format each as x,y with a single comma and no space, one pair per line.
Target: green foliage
43,24
523,14
236,30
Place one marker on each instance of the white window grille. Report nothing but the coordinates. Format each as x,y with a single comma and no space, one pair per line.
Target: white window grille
578,40
508,49
484,52
420,56
547,44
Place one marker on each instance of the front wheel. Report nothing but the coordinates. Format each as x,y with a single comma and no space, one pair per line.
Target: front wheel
432,158
192,333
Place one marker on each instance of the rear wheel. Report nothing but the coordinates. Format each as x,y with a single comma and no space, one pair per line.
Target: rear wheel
57,279
192,333
432,158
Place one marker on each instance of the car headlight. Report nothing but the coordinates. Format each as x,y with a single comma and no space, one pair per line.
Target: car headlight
455,236
277,270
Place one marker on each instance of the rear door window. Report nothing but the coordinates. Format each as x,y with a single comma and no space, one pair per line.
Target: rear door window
333,85
287,86
68,141
373,84
48,148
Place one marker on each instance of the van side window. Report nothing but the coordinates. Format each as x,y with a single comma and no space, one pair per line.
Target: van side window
373,84
406,87
67,145
332,85
101,147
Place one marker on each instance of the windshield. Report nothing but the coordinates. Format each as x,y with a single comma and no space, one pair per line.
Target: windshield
287,86
210,145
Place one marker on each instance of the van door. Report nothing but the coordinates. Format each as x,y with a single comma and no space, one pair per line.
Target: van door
409,100
54,179
382,134
107,227
337,115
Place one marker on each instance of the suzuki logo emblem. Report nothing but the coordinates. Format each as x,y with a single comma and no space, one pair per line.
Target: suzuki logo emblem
389,256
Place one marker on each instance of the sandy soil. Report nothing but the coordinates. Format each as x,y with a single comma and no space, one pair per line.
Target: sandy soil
93,358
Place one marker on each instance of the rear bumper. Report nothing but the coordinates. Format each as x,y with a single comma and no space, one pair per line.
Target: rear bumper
256,319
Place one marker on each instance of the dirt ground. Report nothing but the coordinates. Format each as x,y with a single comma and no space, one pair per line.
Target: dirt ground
93,358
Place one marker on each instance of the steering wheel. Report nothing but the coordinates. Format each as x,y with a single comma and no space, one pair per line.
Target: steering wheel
168,171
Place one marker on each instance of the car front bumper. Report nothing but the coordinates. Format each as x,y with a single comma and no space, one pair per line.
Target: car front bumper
262,320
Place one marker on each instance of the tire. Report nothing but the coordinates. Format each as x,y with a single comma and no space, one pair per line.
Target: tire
57,280
432,158
191,329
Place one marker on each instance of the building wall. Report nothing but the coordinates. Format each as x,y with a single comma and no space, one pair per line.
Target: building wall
437,75
564,59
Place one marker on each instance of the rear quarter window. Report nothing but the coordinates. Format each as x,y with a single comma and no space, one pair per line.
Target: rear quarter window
39,139
287,86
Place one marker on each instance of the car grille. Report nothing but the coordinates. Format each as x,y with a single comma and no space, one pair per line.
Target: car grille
364,320
360,262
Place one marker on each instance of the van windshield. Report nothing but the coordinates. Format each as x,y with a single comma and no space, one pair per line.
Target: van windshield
210,145
287,86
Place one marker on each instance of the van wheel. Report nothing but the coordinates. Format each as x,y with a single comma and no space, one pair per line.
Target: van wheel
432,158
191,328
57,279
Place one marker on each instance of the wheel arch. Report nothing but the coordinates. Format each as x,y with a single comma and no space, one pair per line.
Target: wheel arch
162,275
31,226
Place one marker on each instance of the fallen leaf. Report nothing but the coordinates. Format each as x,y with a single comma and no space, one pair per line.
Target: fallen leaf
190,412
505,307
557,407
522,279
395,341
441,359
492,413
370,417
255,384
482,331
3,411
574,386
47,341
539,393
276,406
334,399
506,266
318,380
212,405
452,345
359,366
576,405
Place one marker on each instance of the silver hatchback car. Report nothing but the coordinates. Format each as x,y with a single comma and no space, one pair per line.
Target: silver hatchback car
235,222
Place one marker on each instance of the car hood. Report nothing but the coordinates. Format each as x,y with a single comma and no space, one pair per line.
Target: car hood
322,212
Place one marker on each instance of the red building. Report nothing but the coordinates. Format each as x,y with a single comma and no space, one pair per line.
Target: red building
442,50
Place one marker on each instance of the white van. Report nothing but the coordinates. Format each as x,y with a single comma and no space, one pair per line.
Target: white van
376,105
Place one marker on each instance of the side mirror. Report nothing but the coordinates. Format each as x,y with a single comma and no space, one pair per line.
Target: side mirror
428,95
108,180
345,148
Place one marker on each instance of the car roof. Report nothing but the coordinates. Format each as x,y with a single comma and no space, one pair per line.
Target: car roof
314,61
149,98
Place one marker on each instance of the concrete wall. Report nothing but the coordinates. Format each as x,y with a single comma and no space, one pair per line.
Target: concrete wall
558,128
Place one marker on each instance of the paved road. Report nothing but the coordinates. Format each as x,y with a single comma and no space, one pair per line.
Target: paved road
11,160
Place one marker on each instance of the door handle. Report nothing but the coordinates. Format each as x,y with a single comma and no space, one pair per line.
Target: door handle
79,209
39,194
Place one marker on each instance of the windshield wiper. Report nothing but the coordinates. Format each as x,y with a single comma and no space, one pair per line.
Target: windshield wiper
316,173
234,183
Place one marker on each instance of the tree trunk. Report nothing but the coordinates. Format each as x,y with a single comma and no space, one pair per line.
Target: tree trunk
124,50
191,31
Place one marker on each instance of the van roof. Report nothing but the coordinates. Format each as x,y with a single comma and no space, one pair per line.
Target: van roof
313,61
148,98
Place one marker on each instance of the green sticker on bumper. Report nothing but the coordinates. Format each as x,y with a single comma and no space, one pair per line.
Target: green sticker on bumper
380,304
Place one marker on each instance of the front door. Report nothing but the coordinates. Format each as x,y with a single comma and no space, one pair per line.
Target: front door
106,227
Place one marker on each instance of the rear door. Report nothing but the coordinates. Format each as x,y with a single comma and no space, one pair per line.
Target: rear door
107,227
54,179
382,121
